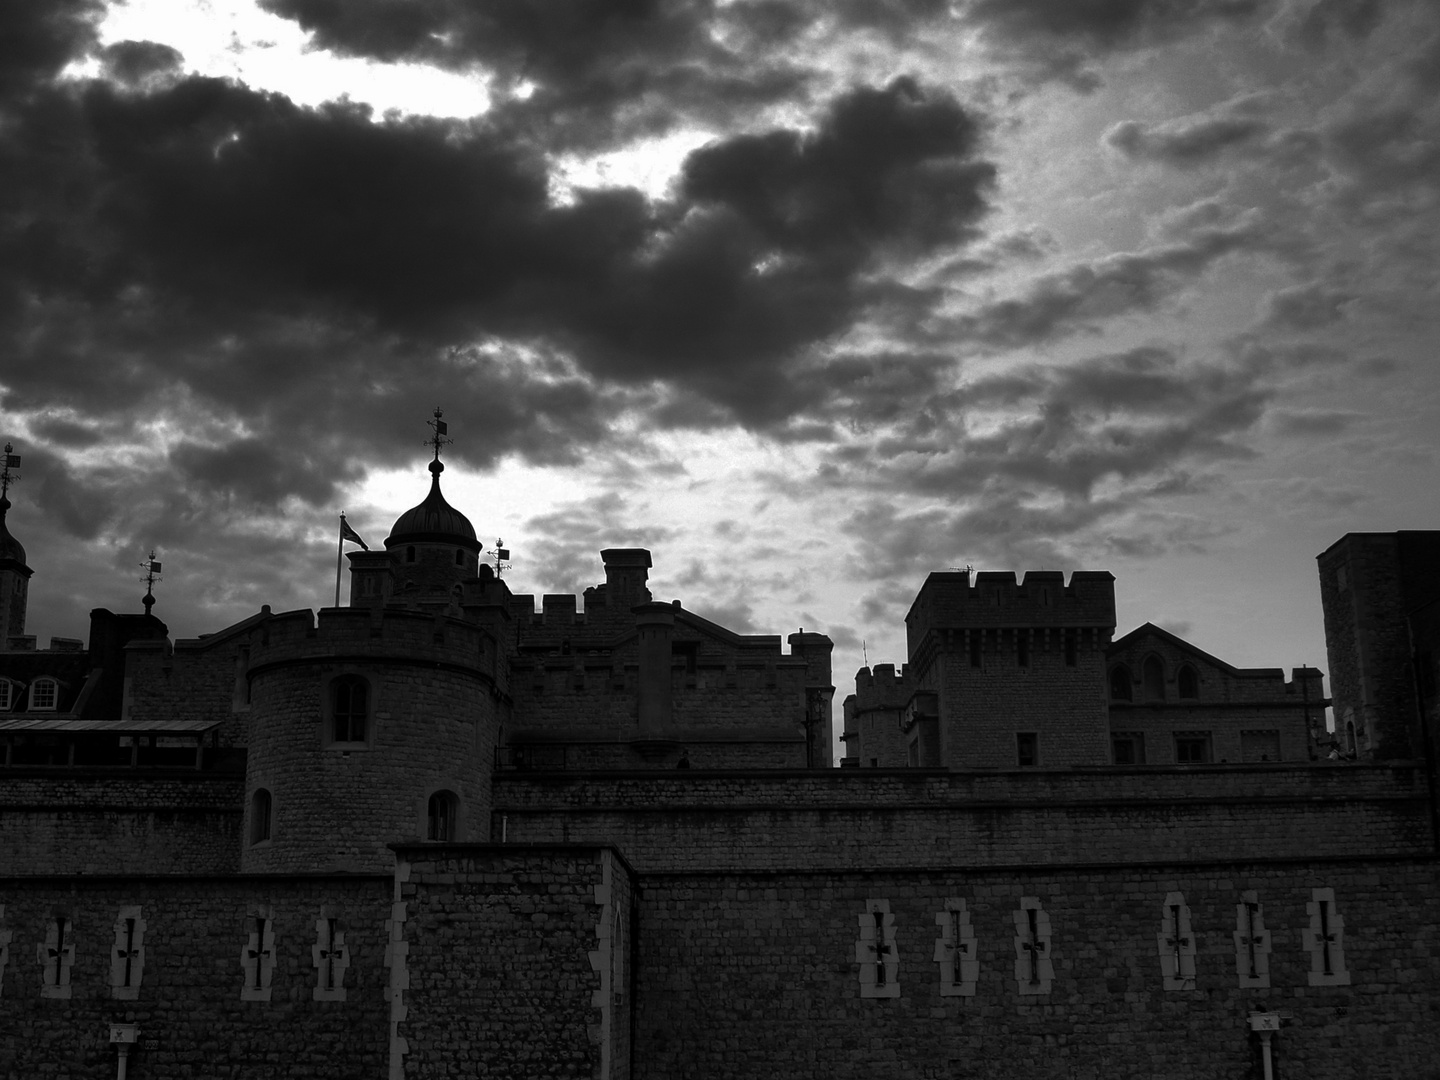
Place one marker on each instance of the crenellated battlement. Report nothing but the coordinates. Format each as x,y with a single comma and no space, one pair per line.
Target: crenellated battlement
355,633
995,600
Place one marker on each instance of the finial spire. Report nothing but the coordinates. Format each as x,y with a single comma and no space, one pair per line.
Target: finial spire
437,440
12,461
152,575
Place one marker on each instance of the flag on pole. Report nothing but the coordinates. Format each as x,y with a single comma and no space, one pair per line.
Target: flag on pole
347,533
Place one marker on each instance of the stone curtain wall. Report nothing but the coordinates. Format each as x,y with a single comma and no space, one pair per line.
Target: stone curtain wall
872,818
74,821
512,962
188,1004
748,976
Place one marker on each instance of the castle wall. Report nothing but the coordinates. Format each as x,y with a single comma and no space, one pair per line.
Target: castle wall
188,1004
193,680
872,716
431,726
873,818
746,975
518,962
80,821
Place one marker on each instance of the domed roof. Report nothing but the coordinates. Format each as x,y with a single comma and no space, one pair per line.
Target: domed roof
10,548
434,520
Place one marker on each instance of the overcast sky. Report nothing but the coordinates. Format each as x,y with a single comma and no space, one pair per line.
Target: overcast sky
810,297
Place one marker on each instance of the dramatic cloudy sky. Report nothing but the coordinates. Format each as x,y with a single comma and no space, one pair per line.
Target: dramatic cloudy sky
811,298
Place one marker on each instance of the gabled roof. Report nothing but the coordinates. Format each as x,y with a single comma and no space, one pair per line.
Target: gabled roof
1150,630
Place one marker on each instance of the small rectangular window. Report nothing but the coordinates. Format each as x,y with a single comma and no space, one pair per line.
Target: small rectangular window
1027,749
4,694
1128,748
1192,748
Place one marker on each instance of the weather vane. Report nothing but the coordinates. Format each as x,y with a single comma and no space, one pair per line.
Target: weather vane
501,554
12,461
441,436
152,575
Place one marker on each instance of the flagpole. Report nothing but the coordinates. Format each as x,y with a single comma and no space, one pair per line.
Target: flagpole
339,555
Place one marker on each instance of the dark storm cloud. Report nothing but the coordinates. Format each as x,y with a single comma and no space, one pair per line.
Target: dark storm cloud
596,71
318,279
37,40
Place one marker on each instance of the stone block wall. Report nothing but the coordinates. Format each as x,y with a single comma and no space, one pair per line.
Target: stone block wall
77,821
188,1001
758,975
875,819
518,962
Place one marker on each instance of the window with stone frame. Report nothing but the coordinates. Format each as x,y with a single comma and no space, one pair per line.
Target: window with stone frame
1034,962
442,817
955,951
127,957
349,709
56,955
1324,940
43,695
1252,943
1175,944
1127,747
331,957
1121,684
260,812
257,958
1192,748
875,952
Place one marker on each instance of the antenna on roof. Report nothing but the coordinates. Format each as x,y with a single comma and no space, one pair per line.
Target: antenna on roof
152,575
12,461
501,554
863,653
967,569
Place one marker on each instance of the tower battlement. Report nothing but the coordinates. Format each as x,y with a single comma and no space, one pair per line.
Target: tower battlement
1041,599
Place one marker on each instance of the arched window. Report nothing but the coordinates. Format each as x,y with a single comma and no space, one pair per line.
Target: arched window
259,816
349,708
1120,683
442,816
7,694
42,695
1152,676
1188,682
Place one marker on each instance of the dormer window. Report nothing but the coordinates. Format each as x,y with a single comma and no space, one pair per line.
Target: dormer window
7,695
43,694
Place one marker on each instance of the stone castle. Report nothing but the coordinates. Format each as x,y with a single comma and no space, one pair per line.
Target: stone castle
441,832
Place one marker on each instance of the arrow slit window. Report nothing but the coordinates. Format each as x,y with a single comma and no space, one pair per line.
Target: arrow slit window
1176,944
875,952
1034,962
127,958
1325,940
56,954
955,951
1252,942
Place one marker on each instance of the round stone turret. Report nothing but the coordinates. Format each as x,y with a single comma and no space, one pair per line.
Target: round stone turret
366,729
14,580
